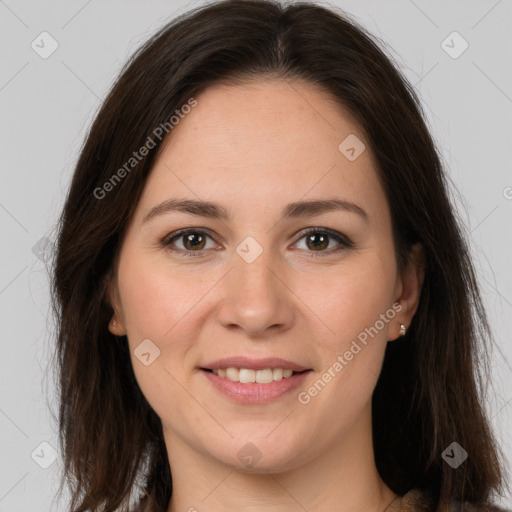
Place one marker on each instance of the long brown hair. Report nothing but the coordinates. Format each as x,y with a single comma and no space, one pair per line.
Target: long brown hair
431,388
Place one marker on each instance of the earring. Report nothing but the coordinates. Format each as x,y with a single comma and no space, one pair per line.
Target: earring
403,329
114,322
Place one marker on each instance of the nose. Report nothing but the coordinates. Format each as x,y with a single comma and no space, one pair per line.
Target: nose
256,297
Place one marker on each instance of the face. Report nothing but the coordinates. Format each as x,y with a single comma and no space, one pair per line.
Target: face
259,282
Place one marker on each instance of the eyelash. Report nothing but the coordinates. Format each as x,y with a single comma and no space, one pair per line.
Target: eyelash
341,239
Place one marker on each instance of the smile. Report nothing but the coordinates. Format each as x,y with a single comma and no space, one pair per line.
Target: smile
254,386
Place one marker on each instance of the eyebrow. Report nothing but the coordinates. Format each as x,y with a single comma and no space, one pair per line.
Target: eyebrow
290,211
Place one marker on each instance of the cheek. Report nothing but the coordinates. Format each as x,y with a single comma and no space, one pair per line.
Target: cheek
155,297
155,303
153,306
353,298
355,304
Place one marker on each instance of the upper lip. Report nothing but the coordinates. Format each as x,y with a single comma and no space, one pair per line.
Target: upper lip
254,364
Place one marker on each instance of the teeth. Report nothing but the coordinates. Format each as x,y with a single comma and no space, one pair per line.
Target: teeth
277,373
246,375
232,374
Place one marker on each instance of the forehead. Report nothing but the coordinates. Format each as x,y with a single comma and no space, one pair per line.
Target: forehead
274,141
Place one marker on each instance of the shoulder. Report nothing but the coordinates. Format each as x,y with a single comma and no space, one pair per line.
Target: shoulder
418,500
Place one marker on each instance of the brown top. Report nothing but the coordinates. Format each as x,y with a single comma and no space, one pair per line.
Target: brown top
412,501
417,500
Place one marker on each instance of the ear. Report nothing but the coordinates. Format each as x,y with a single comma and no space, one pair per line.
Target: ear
408,287
116,325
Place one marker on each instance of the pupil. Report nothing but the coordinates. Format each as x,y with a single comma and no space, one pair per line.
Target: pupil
190,239
322,242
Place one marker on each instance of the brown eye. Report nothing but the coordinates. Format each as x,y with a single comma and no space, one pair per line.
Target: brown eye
193,241
187,242
318,240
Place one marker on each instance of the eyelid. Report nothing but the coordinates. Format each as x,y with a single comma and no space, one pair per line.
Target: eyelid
342,239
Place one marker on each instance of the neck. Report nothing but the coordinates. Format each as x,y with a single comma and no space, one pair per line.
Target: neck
341,478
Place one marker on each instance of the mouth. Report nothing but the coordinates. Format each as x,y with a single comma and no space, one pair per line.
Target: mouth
250,380
249,386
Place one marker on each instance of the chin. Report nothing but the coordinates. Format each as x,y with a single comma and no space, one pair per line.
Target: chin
249,454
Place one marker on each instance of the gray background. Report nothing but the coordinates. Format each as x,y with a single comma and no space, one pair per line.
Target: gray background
48,104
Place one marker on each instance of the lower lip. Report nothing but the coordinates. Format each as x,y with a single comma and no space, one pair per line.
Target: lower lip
254,392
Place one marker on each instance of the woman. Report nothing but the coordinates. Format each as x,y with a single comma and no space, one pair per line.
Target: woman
264,298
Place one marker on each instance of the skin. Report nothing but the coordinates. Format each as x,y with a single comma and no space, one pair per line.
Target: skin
254,148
